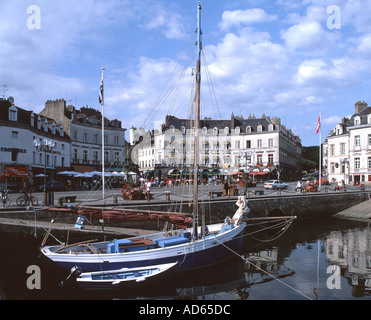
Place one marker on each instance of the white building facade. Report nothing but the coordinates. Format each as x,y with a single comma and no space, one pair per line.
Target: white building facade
347,149
20,157
260,145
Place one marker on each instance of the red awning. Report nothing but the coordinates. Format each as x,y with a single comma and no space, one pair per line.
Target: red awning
260,173
16,172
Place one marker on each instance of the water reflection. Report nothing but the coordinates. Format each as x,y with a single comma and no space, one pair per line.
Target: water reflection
350,250
287,268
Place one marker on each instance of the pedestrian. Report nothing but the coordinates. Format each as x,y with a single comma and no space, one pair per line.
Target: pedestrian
148,190
226,189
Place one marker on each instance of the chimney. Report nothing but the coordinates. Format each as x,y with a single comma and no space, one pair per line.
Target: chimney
359,107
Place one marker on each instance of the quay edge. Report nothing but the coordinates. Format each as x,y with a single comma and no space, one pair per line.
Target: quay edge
308,206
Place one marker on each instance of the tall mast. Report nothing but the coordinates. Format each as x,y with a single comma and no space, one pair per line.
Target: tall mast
101,100
197,115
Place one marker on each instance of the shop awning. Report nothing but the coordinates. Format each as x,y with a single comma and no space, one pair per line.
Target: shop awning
82,168
11,171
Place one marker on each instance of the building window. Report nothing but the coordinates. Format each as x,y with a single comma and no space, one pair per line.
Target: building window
270,142
332,167
14,134
46,125
260,128
237,144
357,141
39,123
369,162
95,138
14,155
75,154
116,140
369,139
85,156
12,115
182,129
204,130
248,129
95,156
61,130
260,143
332,150
270,127
62,162
357,163
53,128
226,130
270,158
248,144
32,119
259,159
106,156
237,130
342,148
215,130
117,156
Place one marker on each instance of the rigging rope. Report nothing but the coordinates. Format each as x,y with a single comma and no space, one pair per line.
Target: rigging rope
264,271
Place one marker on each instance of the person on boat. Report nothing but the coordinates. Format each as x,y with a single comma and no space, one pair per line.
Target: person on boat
242,209
148,190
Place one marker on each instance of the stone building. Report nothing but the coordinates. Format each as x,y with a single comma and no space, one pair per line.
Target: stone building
23,132
84,126
347,148
260,146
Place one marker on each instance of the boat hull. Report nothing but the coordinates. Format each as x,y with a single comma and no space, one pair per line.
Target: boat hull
127,277
192,255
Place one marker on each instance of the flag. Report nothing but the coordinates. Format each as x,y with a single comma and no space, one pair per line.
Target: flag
319,124
101,89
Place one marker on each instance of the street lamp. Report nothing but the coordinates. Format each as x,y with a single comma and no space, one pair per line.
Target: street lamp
44,145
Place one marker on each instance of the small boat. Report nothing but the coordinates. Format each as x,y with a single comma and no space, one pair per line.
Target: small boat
125,277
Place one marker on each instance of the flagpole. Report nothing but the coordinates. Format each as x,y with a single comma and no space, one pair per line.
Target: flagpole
101,100
320,153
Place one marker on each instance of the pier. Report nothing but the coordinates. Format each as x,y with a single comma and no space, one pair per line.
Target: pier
263,203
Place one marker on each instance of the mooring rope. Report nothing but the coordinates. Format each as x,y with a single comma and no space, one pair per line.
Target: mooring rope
264,271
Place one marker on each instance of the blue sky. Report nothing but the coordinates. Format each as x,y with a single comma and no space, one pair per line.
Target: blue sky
282,58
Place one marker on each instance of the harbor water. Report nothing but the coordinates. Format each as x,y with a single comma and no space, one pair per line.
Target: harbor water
324,259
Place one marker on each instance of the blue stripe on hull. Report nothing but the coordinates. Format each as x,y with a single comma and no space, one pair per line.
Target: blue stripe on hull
199,259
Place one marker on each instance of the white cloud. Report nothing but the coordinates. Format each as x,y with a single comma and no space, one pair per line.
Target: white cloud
244,17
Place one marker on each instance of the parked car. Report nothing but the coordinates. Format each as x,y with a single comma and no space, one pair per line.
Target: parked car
275,184
53,186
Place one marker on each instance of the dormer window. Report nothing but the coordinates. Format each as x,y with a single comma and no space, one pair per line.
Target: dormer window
237,130
215,130
61,130
226,130
39,123
357,121
182,129
172,128
13,113
248,129
204,130
53,127
32,119
46,125
270,127
260,128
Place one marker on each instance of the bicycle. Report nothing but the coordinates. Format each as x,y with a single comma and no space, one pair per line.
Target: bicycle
5,198
27,199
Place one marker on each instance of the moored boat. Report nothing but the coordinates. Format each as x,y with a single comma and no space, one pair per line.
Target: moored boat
125,277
